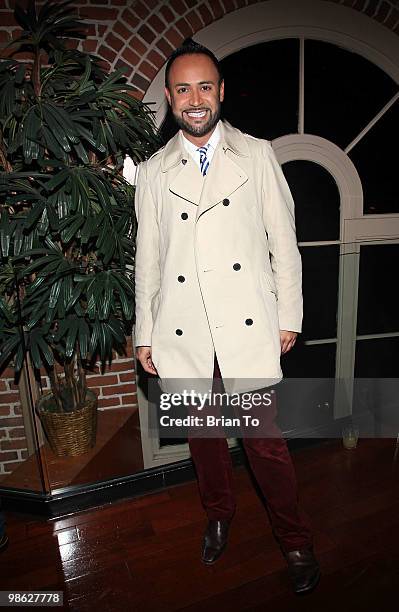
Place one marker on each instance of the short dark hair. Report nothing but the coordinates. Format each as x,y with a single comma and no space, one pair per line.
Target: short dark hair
190,47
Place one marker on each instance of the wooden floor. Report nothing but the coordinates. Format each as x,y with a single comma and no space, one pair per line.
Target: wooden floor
144,554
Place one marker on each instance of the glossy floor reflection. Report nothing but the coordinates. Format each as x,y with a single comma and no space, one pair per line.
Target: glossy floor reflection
144,554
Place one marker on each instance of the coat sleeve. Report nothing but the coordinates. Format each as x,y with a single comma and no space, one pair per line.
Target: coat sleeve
285,259
147,265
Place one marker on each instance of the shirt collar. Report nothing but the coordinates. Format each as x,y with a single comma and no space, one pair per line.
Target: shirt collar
212,142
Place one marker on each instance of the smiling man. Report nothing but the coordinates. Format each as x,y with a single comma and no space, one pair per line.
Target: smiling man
218,291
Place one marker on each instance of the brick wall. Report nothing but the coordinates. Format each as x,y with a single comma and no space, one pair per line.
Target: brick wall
139,34
13,447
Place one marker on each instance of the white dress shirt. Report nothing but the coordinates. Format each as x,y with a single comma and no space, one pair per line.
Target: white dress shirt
192,148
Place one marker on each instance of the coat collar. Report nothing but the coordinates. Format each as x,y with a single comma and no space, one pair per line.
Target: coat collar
230,138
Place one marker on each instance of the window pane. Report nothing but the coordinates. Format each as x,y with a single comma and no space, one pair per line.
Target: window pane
314,361
262,84
343,92
377,358
316,199
378,301
376,160
320,267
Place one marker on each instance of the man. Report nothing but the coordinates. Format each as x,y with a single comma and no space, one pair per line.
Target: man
218,290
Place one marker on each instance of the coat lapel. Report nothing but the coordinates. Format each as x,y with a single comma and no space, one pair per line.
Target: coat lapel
186,180
225,174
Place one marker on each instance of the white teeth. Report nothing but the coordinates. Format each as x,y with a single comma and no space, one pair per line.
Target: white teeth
196,114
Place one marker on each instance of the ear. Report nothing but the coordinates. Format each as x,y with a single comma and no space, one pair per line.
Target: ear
221,91
168,97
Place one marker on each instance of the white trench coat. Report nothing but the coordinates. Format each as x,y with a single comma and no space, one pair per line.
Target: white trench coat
217,263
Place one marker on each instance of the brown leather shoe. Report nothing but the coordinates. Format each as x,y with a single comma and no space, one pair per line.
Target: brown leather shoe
215,540
304,569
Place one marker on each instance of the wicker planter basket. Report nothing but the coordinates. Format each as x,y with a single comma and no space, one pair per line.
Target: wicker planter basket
69,433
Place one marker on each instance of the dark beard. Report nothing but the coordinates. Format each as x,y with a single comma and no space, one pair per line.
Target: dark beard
201,130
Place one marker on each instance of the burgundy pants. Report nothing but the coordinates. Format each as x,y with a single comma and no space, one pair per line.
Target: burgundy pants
273,469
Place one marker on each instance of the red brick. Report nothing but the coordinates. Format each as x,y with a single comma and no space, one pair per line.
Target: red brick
89,45
156,23
104,65
8,456
11,422
184,27
11,466
130,18
11,444
107,53
9,398
392,19
382,12
109,402
129,399
24,454
101,381
5,36
228,5
120,29
194,20
5,410
114,42
205,13
121,366
141,10
138,46
3,386
70,43
7,18
101,29
155,58
8,372
164,47
90,29
118,2
178,6
119,390
167,15
191,3
174,37
147,70
99,14
133,59
127,377
139,95
151,3
147,34
17,432
216,8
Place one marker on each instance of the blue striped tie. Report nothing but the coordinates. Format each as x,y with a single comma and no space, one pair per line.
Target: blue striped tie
204,161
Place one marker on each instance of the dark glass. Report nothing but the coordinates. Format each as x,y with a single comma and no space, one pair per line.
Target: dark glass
377,358
309,361
261,88
343,92
376,160
378,301
317,200
320,266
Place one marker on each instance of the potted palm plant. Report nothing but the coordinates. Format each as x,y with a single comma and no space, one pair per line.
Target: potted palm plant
67,222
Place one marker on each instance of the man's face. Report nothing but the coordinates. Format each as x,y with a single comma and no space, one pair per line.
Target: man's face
194,94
